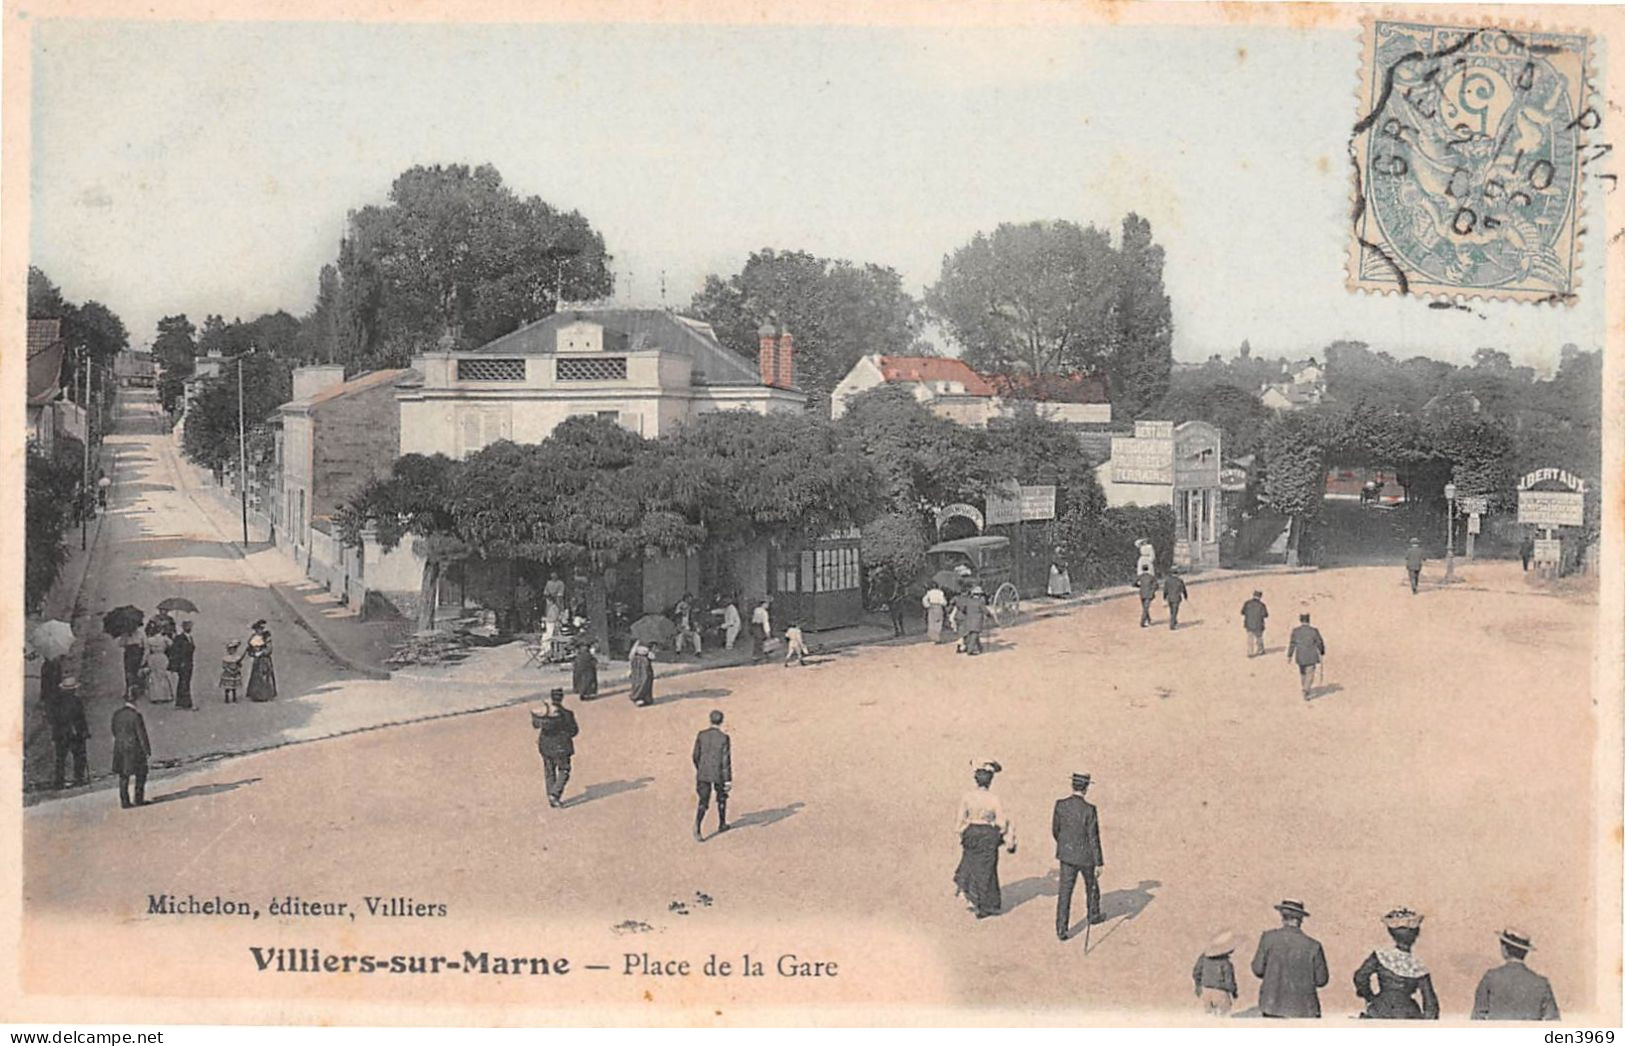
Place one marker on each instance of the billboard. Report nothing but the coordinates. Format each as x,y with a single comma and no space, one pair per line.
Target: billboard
1143,459
1551,508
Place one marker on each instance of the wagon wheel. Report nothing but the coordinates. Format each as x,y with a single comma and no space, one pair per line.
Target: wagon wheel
1006,605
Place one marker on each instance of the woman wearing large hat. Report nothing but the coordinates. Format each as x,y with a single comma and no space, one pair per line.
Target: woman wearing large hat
983,828
1400,975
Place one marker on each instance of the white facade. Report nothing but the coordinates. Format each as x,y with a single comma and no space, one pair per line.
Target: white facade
1177,466
968,401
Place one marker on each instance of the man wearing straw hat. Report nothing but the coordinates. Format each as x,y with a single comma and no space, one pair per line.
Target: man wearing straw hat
66,714
1076,828
1512,991
1215,975
1292,966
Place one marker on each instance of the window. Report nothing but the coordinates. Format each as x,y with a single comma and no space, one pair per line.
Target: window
490,370
604,368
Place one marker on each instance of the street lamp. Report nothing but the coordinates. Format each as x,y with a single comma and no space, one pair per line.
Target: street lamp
242,450
1450,533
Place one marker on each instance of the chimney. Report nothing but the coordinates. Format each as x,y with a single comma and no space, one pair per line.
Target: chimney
785,373
767,352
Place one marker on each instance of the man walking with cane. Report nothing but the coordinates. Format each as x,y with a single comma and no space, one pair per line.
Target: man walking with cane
1076,828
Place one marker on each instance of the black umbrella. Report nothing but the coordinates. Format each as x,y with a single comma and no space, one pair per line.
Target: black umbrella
180,603
121,621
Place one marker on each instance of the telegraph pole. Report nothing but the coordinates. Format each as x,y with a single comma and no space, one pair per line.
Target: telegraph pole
84,483
242,451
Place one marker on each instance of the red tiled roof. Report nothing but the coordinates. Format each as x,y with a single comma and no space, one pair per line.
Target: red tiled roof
1054,388
45,352
934,368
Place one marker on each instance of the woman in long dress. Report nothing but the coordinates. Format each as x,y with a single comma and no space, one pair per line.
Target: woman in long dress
159,689
1060,581
1400,975
262,673
643,673
983,828
935,602
584,670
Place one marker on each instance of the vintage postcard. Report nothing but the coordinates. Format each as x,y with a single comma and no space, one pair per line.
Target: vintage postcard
822,513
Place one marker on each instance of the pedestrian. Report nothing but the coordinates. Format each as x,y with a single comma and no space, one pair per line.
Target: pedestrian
584,669
1292,966
713,772
983,827
553,597
65,713
1413,563
1076,828
761,627
556,730
1147,584
159,689
182,654
641,661
729,612
262,669
1175,593
131,752
1060,581
1215,975
1147,563
1306,646
686,630
1526,551
795,645
935,602
1253,615
1400,974
972,620
231,671
135,666
895,606
1512,991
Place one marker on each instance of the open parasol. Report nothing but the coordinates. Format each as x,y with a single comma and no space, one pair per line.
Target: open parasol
121,621
52,638
654,628
181,603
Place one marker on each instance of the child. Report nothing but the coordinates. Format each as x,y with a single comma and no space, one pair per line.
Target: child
795,647
231,670
1215,975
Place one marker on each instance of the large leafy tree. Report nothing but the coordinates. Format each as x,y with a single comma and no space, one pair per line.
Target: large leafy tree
836,312
414,502
1036,298
457,251
52,485
1294,474
210,439
1141,322
175,350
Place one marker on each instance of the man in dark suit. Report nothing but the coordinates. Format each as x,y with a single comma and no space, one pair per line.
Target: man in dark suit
1076,828
1512,991
182,650
1413,563
1292,966
65,713
1253,615
1175,593
1306,646
131,751
713,771
556,730
1147,584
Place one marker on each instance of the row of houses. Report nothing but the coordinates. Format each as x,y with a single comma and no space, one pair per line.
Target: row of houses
51,416
650,371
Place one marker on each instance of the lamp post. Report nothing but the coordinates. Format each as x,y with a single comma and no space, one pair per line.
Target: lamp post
242,452
1450,533
84,481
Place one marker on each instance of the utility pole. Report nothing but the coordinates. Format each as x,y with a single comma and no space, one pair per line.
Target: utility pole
242,451
84,484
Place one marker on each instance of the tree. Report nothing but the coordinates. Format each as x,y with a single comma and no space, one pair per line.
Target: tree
210,439
45,300
1236,411
1033,298
1294,474
921,461
52,486
836,312
414,500
318,337
1141,322
456,251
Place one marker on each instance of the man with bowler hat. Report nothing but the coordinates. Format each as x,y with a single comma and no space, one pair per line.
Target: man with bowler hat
1512,991
182,654
1413,563
1253,615
1076,828
1306,647
713,771
1147,585
1174,593
555,739
1292,966
131,751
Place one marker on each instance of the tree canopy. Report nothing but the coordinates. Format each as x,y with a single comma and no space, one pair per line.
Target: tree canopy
210,438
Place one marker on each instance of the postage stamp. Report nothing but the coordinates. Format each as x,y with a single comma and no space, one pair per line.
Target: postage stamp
1468,155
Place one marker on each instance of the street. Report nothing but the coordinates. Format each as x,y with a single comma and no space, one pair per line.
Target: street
1445,764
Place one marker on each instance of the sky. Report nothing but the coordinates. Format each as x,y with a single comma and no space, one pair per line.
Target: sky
208,168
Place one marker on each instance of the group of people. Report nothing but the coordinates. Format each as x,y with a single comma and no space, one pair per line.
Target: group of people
168,649
1393,982
965,616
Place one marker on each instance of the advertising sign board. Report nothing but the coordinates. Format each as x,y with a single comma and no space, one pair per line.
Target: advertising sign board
1143,459
1551,508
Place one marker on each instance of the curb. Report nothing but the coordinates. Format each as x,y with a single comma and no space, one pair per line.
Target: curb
254,575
